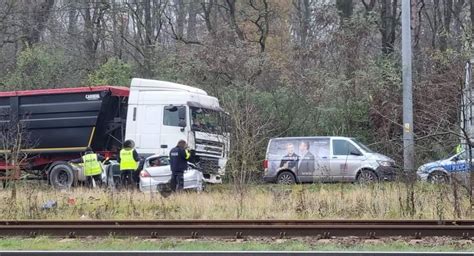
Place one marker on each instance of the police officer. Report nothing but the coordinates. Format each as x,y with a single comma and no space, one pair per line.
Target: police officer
92,168
128,159
179,157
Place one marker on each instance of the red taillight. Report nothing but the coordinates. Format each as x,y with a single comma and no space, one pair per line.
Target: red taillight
265,164
144,174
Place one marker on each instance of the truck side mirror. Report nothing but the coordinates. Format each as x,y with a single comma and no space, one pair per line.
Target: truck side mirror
182,117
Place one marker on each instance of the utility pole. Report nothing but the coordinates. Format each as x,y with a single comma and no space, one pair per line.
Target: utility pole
408,141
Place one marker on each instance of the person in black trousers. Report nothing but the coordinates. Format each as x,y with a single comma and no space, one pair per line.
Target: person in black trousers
179,157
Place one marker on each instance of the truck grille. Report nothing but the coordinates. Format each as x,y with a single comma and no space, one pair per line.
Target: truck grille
209,148
209,143
209,165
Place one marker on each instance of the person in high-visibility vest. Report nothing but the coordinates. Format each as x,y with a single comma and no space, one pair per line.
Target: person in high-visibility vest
179,157
92,167
129,160
458,148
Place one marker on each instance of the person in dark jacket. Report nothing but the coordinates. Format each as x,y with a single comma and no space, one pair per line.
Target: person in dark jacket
92,167
129,160
179,157
290,160
306,164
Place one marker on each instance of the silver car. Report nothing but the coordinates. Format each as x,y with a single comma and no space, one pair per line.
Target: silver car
156,171
325,159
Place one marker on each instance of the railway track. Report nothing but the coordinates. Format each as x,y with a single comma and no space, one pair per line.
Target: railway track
238,228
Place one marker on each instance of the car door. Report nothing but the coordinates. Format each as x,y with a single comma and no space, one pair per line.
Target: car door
459,167
345,160
159,169
320,148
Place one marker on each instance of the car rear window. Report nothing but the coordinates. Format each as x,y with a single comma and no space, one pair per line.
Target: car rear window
158,161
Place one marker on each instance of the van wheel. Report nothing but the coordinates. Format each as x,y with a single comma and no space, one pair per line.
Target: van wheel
61,176
438,177
286,178
366,177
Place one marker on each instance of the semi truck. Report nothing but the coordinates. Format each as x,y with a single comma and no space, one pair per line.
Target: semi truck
57,125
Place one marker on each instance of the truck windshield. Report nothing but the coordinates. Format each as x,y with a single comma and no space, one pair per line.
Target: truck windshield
362,146
207,120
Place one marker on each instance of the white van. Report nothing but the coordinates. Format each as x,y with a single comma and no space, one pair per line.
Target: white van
324,159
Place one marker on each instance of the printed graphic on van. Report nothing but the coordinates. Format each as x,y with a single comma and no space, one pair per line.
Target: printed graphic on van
300,156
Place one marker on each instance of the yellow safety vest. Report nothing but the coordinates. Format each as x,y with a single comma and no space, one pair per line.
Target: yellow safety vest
127,162
91,165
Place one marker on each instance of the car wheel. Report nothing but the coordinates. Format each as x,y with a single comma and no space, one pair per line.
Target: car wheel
286,178
367,177
61,176
438,177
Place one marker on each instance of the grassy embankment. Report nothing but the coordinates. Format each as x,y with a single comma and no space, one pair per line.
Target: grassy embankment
317,201
138,244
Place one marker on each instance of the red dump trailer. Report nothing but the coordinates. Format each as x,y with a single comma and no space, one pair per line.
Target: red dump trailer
57,125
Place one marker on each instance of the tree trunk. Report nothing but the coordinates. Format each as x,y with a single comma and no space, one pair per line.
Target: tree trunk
207,8
180,18
72,18
233,20
36,19
89,34
192,13
345,8
445,32
388,16
148,39
305,22
457,26
471,3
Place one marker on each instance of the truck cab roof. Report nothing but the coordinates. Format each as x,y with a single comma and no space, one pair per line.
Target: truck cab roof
144,84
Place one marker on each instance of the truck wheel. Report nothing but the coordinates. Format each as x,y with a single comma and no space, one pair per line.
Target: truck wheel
61,176
286,178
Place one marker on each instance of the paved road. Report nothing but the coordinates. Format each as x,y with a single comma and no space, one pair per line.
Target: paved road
175,253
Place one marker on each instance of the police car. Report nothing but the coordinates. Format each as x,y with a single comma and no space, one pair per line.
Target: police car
441,171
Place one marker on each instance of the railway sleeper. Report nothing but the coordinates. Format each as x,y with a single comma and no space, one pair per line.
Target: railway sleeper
417,235
326,235
194,234
238,235
282,235
71,234
371,235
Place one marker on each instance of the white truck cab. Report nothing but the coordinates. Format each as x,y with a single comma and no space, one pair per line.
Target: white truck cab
161,113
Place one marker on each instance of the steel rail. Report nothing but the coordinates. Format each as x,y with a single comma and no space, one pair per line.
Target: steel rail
237,222
237,228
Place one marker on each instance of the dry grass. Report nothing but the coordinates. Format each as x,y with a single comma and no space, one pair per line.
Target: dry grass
318,201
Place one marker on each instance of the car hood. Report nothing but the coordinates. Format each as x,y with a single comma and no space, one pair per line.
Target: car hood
431,165
380,157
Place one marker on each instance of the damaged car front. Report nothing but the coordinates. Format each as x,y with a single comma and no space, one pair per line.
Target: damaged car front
156,171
